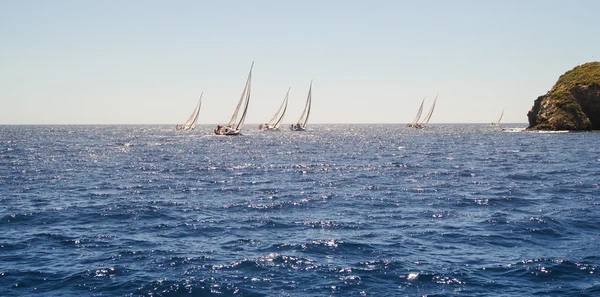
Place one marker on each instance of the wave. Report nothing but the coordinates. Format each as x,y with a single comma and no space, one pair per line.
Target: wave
339,210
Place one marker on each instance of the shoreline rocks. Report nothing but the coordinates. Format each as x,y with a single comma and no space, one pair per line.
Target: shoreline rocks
572,104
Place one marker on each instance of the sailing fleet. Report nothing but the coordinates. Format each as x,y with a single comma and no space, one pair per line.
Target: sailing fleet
235,125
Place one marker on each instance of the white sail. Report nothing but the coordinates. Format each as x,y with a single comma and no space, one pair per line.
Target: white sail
191,118
240,124
418,116
245,94
234,126
428,116
301,124
190,124
193,124
499,119
276,120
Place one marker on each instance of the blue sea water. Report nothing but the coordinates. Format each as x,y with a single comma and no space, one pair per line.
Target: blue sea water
346,210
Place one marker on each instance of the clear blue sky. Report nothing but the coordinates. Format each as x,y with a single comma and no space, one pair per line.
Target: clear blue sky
146,62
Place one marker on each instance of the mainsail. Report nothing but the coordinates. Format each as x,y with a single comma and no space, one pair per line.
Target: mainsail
243,99
274,123
499,119
428,116
301,125
190,124
234,127
418,116
193,124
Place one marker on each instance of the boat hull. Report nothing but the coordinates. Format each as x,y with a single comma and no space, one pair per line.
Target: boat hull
183,128
266,127
227,131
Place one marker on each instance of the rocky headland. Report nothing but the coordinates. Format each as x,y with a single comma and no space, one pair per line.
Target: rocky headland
572,104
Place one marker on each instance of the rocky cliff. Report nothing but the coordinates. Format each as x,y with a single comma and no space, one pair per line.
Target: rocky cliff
573,103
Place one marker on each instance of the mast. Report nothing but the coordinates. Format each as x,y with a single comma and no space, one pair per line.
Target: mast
418,116
191,118
428,116
501,114
304,117
278,115
283,113
246,90
193,124
309,104
248,85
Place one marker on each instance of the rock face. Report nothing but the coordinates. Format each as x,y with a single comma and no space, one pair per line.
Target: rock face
572,104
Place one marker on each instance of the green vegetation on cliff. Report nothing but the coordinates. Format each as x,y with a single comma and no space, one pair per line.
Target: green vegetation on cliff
585,74
573,103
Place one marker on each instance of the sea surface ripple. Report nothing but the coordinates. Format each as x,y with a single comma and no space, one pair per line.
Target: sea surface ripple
347,210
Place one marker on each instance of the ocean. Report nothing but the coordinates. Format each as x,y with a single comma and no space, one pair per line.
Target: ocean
338,210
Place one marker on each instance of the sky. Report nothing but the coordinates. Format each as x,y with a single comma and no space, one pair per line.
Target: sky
147,62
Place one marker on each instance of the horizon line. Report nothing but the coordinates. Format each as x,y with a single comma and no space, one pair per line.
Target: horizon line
117,124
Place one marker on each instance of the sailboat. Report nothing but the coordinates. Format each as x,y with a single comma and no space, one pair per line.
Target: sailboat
496,123
423,124
274,123
418,116
301,125
190,124
234,127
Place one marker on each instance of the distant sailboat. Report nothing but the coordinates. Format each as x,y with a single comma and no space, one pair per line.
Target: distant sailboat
234,127
425,121
274,123
418,116
190,124
301,125
496,123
